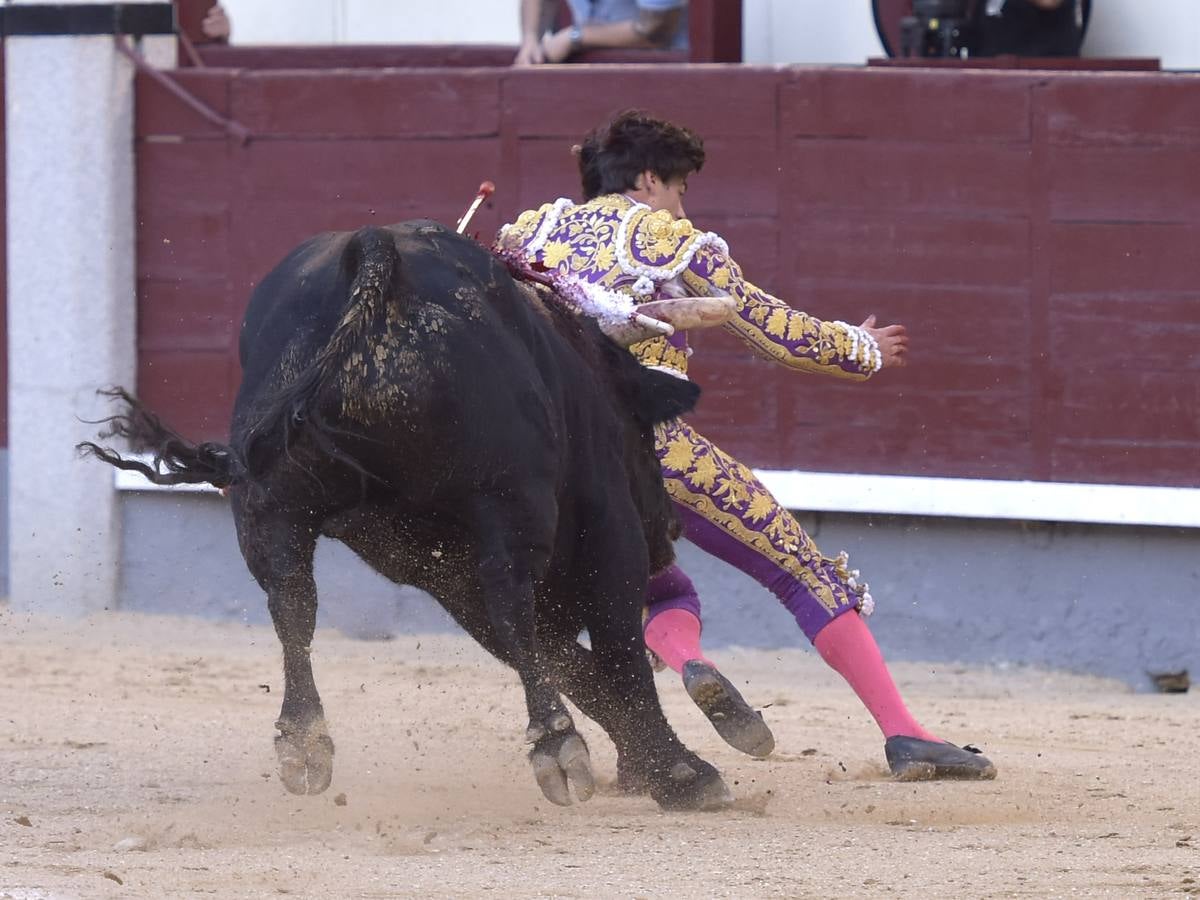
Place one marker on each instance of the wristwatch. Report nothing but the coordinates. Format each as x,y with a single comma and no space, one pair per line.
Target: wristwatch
575,33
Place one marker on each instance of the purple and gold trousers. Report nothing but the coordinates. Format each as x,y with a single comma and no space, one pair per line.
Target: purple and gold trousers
727,512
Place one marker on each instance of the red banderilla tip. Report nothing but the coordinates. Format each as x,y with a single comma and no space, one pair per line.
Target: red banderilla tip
486,189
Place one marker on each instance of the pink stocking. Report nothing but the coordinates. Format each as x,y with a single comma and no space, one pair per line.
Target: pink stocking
674,634
849,648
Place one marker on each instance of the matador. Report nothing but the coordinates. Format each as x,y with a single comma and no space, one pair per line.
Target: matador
624,255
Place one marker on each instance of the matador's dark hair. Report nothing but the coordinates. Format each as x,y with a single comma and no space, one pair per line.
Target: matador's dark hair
612,156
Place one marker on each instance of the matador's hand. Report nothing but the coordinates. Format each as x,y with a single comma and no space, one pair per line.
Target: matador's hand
892,341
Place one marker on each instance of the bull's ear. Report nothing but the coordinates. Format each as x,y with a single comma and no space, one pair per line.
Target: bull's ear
659,397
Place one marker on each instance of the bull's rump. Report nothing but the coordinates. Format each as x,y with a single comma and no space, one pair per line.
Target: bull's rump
435,353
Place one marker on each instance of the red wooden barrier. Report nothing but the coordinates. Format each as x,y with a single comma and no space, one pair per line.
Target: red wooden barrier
1035,231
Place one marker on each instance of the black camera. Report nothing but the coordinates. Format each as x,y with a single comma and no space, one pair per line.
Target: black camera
941,28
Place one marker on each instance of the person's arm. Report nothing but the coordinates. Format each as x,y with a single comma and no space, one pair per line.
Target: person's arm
651,29
789,336
536,18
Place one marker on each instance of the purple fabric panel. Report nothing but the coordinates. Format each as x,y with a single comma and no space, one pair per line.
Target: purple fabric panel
671,589
807,610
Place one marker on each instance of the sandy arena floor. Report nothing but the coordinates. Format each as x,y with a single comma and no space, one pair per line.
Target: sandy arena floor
136,761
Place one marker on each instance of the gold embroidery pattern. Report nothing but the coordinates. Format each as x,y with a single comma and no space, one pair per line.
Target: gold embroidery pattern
590,238
771,327
583,242
521,232
658,236
660,352
701,476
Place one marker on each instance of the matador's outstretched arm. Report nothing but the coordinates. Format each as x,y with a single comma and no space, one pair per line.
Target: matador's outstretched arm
781,333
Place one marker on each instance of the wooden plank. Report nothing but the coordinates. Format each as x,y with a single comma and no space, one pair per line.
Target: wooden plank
1127,402
569,101
361,56
1040,63
545,171
1147,330
192,390
1122,462
906,250
180,314
973,449
1125,183
739,398
161,113
967,384
909,177
183,208
1043,378
366,104
741,174
382,174
168,171
922,105
1121,110
189,240
1144,258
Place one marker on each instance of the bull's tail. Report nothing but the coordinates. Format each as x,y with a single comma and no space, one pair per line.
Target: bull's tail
176,460
371,263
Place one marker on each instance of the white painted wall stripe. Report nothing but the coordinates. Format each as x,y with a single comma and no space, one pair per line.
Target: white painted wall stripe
977,498
971,498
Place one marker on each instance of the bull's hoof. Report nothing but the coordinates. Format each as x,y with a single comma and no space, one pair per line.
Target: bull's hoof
559,758
692,786
305,759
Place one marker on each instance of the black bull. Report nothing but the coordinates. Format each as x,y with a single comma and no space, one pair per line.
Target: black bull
403,394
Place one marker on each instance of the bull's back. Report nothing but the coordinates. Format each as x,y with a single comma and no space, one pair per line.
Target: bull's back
409,335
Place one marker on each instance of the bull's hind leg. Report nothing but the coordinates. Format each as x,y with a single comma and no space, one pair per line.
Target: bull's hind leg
279,554
510,561
613,685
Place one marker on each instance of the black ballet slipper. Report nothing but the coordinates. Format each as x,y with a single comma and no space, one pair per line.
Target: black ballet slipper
735,720
912,759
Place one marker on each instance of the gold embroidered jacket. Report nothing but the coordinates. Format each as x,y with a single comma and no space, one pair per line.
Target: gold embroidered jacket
614,243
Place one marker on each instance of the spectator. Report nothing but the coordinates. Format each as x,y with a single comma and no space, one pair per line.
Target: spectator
645,24
216,25
200,22
1032,28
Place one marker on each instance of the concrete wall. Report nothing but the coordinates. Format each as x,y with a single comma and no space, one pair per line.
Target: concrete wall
374,22
4,522
70,304
1108,600
1168,29
775,31
808,31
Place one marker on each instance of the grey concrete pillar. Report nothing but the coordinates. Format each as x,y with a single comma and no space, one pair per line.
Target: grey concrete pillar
71,304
